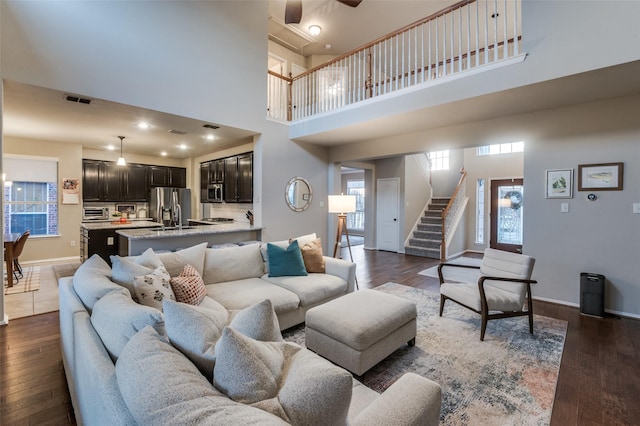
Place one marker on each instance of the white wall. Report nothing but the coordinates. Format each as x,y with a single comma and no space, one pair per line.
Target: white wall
416,194
199,59
602,236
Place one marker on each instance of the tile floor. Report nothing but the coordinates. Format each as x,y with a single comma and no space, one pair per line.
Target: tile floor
43,300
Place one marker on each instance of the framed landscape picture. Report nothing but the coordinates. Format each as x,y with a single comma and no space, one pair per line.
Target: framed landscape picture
559,183
603,177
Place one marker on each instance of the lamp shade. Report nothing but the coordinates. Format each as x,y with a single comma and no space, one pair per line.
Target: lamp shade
342,203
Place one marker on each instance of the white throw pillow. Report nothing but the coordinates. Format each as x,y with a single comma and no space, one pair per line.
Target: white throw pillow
283,379
258,321
116,318
125,269
176,261
194,331
92,281
153,288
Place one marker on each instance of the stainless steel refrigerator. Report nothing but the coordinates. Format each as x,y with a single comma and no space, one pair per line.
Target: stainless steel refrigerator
170,206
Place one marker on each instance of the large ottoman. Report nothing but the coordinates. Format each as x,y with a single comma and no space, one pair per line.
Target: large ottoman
360,329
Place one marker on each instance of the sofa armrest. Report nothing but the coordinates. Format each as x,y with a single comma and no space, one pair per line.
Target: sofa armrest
412,400
343,269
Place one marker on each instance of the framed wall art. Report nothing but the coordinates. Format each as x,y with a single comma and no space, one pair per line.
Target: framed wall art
603,177
559,183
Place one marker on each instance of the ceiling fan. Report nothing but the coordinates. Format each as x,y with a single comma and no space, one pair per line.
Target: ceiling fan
293,9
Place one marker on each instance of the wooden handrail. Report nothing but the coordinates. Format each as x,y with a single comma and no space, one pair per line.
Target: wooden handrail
388,36
445,212
275,74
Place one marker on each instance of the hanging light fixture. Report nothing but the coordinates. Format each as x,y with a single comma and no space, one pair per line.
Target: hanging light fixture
121,161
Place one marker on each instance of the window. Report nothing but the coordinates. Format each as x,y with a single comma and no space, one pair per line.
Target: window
355,220
439,160
480,211
31,195
502,148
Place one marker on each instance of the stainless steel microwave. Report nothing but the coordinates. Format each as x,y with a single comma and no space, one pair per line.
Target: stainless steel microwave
214,193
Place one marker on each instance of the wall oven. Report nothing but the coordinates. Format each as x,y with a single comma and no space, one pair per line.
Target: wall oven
214,193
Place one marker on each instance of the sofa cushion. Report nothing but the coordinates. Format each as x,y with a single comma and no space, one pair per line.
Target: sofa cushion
283,379
258,321
125,269
285,262
175,261
313,288
92,280
153,288
162,387
116,318
302,240
236,295
233,263
188,287
313,257
194,331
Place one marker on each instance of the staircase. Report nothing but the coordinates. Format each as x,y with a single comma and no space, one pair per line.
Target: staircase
427,238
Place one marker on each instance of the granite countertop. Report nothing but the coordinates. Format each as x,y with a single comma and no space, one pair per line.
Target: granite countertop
119,225
146,233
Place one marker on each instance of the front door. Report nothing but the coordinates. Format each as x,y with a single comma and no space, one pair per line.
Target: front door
506,214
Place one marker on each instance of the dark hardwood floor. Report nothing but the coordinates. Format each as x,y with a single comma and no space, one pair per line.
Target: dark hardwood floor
599,381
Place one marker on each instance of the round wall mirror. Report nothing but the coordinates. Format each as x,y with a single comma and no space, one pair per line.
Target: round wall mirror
298,194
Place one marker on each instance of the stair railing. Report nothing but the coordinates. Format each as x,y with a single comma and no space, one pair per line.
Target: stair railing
461,37
451,213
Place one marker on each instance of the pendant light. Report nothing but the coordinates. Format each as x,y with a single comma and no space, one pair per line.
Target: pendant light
121,161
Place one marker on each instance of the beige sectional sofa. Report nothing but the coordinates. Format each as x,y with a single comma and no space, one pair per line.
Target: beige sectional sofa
127,363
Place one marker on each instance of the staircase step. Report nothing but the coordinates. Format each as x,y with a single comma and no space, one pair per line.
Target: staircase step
428,235
431,220
422,252
436,207
422,227
433,213
431,244
444,201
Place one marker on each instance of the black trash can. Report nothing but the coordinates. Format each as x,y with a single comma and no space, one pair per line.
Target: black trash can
592,294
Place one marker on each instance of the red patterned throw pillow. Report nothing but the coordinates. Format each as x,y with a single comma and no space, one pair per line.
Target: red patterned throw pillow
189,286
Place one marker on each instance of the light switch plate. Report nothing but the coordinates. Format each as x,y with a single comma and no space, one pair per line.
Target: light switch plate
564,207
636,207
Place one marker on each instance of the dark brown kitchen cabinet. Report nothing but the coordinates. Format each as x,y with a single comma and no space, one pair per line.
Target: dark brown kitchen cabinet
106,181
238,178
204,181
216,171
168,176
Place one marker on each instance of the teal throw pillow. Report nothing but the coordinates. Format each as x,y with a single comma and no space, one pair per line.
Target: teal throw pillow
285,262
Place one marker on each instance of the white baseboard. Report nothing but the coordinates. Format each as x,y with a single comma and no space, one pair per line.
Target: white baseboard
577,305
5,321
52,261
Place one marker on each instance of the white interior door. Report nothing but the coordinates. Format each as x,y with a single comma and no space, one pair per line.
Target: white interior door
387,211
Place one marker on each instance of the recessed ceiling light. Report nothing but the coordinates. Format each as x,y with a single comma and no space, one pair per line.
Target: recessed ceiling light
327,46
182,146
111,147
143,125
210,137
163,153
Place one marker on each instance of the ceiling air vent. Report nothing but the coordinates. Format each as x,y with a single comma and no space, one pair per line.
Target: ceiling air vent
77,99
210,126
177,132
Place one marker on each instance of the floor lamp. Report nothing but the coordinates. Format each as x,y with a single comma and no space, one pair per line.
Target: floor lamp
342,204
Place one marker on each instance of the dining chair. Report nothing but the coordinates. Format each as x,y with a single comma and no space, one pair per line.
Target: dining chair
502,288
17,251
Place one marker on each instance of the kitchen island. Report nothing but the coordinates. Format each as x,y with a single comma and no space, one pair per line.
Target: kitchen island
99,237
133,242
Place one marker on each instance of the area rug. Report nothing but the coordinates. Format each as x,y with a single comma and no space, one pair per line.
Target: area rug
354,240
461,275
509,379
29,282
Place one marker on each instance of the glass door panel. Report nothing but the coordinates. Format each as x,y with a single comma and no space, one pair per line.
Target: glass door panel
507,214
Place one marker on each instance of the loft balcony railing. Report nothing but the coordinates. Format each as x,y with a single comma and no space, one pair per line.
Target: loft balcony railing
462,37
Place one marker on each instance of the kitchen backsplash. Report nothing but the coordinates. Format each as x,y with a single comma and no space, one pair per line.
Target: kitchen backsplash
112,206
234,211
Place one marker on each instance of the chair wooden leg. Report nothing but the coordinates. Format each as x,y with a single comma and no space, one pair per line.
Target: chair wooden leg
441,304
531,322
484,326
